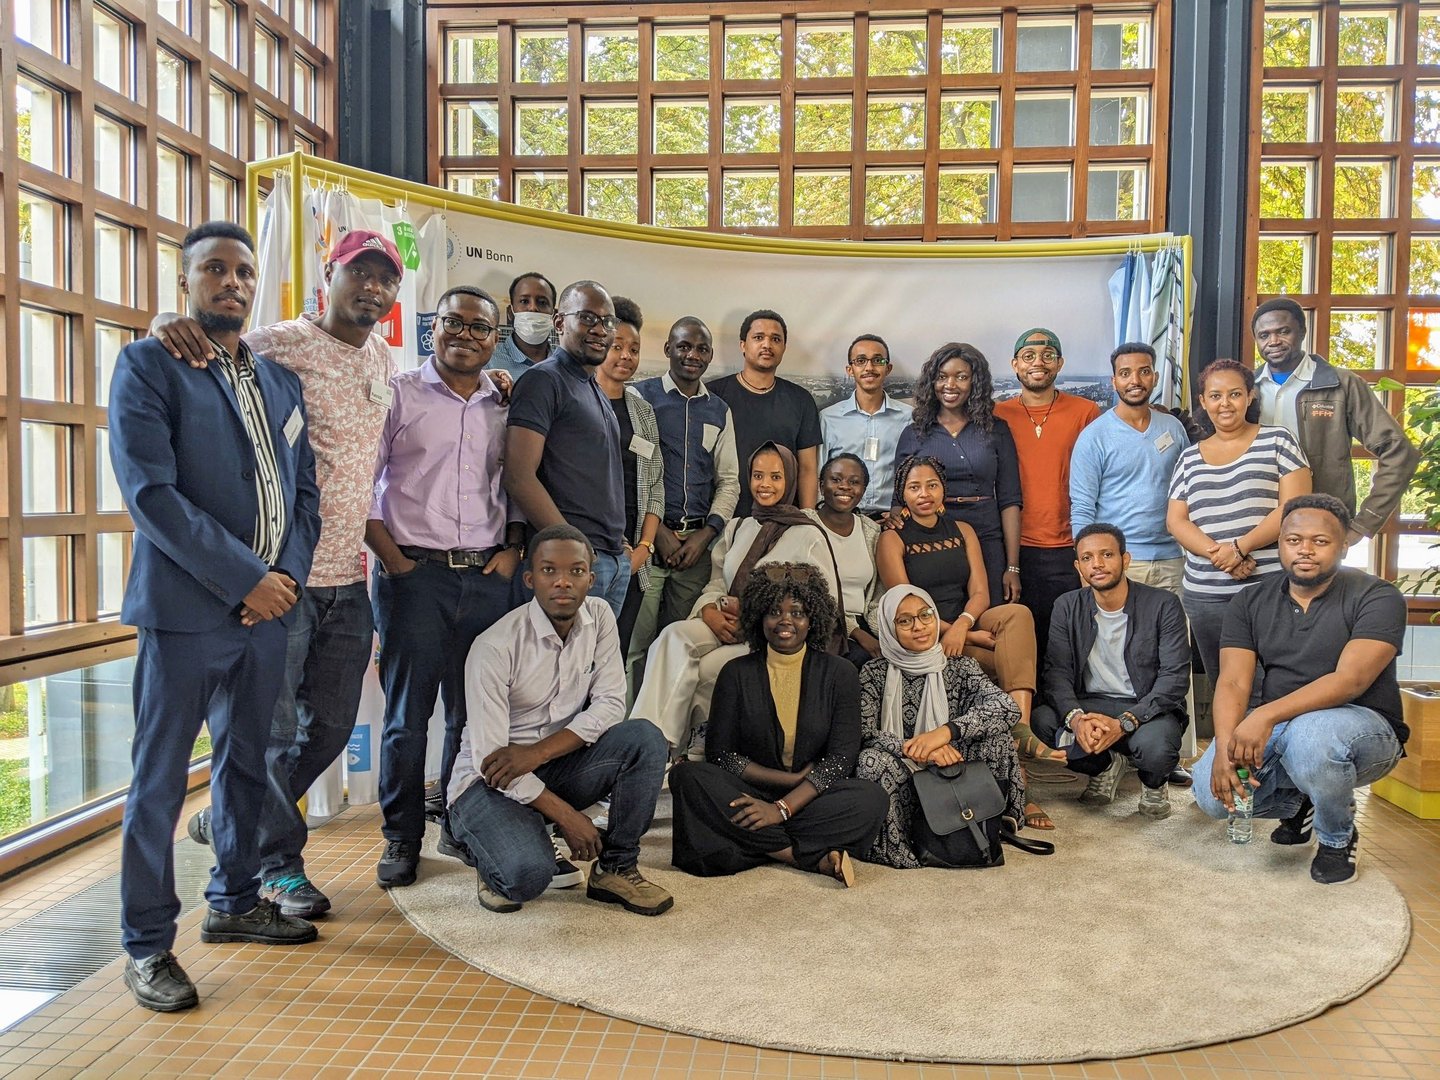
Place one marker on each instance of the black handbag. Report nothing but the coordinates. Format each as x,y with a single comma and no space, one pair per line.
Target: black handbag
960,823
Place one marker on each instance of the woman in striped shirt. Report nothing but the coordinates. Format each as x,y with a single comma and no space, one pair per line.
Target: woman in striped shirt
1225,499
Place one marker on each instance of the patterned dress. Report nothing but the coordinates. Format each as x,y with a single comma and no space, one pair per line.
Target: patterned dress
984,713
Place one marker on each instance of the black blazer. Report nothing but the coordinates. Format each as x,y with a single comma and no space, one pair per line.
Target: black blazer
1157,651
744,727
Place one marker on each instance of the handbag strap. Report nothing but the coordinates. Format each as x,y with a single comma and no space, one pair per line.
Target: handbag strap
1025,843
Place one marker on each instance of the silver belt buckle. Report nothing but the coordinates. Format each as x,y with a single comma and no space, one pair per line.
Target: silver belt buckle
463,564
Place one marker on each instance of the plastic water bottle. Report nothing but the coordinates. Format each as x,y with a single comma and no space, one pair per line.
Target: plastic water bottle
1241,827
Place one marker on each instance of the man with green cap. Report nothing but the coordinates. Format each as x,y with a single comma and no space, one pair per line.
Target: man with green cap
1045,423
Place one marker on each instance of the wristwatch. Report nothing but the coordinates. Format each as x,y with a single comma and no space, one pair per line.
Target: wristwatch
1128,723
1070,717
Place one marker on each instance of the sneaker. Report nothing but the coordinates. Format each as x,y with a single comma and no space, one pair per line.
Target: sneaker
628,889
159,983
491,900
1155,802
567,874
434,804
1180,777
398,864
1335,865
1101,789
264,924
1299,828
448,845
199,826
296,896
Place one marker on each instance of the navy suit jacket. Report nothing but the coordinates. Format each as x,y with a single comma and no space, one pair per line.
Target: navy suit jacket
186,467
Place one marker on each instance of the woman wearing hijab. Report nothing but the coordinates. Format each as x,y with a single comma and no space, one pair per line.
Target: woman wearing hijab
684,660
920,707
775,785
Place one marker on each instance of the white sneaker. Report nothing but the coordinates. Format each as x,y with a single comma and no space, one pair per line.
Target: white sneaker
1101,789
1155,802
567,874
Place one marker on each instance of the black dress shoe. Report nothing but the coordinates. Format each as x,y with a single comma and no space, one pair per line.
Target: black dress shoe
399,864
1180,777
160,983
264,924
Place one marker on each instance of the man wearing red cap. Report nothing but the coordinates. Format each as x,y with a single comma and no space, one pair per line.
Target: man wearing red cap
344,368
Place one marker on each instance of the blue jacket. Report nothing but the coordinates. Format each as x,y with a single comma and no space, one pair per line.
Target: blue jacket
186,468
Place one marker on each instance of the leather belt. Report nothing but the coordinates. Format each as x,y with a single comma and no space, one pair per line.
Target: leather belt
685,524
458,559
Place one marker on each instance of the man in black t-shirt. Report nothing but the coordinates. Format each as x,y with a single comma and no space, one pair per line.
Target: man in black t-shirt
1329,718
767,408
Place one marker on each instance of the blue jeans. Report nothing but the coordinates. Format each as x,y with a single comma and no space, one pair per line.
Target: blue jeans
512,850
1326,755
331,638
428,618
612,580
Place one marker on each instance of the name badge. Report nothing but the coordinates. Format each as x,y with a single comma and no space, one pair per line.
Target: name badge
1164,442
871,451
293,426
381,393
642,447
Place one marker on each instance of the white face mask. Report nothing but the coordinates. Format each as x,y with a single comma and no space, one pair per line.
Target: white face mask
533,327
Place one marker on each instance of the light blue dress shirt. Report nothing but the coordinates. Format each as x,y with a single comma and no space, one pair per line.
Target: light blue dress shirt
847,429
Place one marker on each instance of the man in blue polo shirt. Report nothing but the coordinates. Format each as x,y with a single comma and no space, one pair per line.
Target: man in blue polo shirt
702,481
868,423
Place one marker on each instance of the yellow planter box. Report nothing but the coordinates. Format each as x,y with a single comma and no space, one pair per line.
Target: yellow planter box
1422,713
1422,804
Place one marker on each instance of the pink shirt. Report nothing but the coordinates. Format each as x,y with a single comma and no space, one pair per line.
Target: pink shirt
345,422
437,476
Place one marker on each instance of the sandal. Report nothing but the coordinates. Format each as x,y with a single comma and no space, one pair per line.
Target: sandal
1036,818
840,866
1032,748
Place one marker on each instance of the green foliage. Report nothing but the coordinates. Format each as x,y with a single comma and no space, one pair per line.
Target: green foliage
1285,116
612,129
750,200
966,196
1427,115
1285,189
1355,264
14,796
474,58
1424,267
823,125
203,747
752,127
824,52
682,55
1281,266
895,124
969,49
542,129
1364,40
682,127
14,711
1354,339
1428,35
1425,192
543,191
967,122
475,128
1114,119
542,58
682,202
752,54
612,56
1422,497
1362,115
612,198
894,198
822,198
896,49
1360,189
1289,40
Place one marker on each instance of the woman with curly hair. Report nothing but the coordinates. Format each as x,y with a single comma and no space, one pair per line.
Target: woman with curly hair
955,423
784,733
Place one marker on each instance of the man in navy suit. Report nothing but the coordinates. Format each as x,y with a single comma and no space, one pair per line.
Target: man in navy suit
219,477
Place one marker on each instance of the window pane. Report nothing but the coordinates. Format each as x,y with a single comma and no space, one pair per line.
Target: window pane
682,53
1044,46
172,186
542,56
1284,265
682,201
1425,192
44,355
823,124
1363,114
1428,27
113,61
45,468
107,491
1291,40
1362,189
612,55
967,196
40,115
822,198
1287,189
1040,194
1422,344
750,200
267,52
482,185
1119,119
1359,265
1043,120
752,127
42,240
1357,339
1287,116
542,128
682,127
114,261
1425,267
897,49
222,119
37,22
473,56
543,191
47,580
113,157
304,94
267,135
175,11
969,48
172,87
612,197
894,197
895,123
967,122
824,51
1364,40
1116,193
223,198
222,31
752,52
1427,114
1120,43
612,128
110,557
109,340
473,128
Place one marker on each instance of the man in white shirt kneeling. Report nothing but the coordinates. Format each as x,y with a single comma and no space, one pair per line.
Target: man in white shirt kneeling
545,694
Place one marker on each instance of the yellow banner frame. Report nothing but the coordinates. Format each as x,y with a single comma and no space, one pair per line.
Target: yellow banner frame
299,167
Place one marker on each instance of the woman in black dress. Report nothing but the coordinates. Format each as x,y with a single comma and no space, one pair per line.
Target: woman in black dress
783,736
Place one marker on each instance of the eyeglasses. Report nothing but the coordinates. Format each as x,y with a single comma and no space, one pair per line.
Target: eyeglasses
869,361
1045,356
456,326
796,572
923,617
590,320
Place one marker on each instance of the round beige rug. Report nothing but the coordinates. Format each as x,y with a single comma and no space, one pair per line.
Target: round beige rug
1135,937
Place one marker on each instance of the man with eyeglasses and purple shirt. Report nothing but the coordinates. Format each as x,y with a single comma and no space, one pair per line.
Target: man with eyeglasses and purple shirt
562,447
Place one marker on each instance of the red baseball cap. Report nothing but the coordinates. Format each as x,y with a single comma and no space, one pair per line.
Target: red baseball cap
358,242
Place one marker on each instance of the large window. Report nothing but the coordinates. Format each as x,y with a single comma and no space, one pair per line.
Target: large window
1029,119
1345,176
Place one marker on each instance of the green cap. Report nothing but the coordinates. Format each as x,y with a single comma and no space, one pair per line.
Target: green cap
1243,774
1050,339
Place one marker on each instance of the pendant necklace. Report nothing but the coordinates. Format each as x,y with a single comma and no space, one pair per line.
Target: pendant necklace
752,387
1040,424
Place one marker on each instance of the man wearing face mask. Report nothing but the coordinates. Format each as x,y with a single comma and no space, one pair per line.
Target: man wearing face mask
562,447
530,316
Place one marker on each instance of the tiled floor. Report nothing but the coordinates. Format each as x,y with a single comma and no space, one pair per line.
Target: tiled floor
374,998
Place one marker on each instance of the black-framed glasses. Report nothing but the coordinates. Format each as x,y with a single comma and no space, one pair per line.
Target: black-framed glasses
869,361
923,617
590,320
455,326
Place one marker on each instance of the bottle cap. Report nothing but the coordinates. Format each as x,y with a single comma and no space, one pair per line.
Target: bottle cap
1243,774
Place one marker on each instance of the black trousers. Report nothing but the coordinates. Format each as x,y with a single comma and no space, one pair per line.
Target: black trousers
629,613
1045,575
1154,746
847,816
